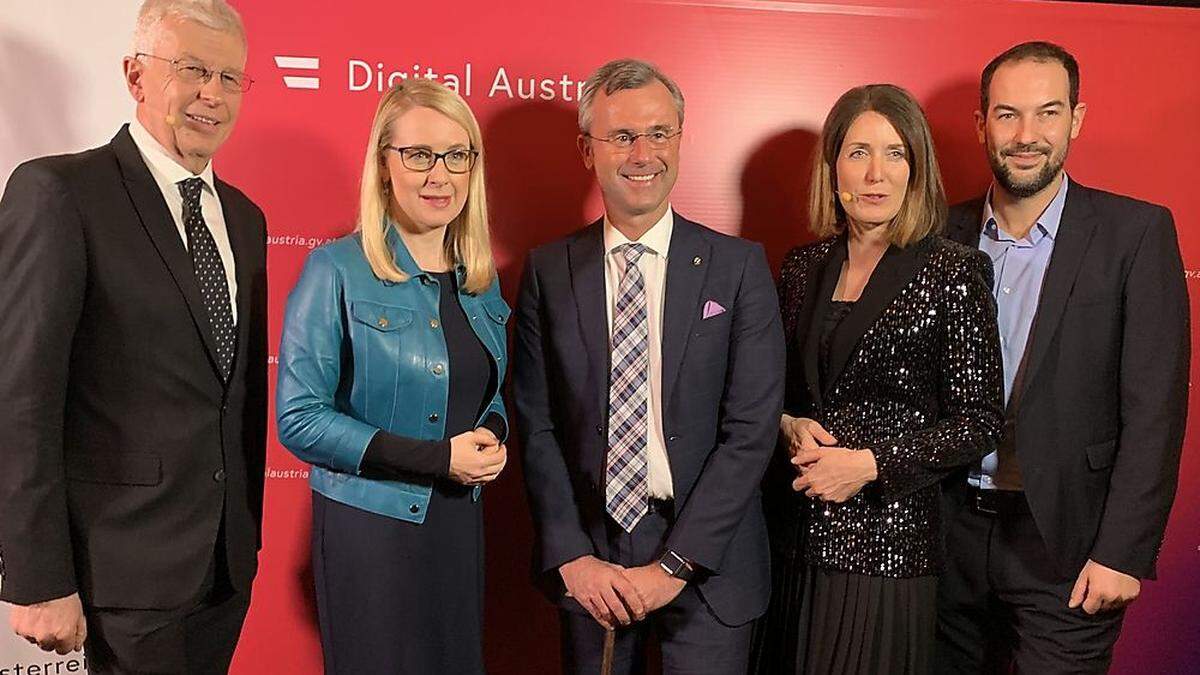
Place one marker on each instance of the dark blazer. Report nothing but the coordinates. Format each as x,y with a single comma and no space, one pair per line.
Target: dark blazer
1104,396
722,390
913,373
124,451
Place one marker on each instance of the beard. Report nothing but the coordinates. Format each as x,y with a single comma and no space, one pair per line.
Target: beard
1023,189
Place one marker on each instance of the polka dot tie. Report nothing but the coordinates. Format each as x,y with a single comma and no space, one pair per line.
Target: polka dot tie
210,272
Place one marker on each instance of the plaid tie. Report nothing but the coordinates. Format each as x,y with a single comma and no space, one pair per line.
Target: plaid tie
210,272
625,489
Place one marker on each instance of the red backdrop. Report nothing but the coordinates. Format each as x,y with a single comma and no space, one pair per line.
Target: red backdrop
759,78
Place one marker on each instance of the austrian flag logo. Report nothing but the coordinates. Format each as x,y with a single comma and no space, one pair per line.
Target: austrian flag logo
310,63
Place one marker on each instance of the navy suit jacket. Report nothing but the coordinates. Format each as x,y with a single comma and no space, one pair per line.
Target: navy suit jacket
722,393
1104,396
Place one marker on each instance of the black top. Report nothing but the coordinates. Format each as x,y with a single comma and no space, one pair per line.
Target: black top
472,384
838,309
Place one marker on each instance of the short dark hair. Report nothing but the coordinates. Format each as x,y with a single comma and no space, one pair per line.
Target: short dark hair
1031,51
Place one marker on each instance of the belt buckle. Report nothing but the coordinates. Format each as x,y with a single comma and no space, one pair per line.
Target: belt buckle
981,507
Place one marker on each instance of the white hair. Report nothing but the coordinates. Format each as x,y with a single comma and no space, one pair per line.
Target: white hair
214,14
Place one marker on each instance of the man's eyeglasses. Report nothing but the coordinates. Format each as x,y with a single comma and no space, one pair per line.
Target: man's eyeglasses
194,72
657,138
419,158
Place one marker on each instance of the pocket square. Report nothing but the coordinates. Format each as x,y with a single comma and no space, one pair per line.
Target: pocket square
712,308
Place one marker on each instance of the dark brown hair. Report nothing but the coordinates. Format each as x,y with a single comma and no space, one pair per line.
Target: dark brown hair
1031,51
924,209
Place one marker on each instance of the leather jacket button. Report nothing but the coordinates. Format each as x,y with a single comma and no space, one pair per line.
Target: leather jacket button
672,439
433,417
415,508
599,430
219,475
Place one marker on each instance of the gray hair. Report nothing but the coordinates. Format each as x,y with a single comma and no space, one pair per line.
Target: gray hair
619,75
214,14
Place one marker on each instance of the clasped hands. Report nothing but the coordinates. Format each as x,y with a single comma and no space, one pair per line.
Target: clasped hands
54,625
476,457
825,471
618,595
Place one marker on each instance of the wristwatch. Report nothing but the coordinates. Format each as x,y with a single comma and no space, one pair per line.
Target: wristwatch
676,566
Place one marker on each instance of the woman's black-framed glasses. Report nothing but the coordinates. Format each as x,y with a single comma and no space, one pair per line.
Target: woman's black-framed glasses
421,158
194,72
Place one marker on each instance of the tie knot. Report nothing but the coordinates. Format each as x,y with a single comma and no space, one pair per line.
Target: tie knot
190,189
632,252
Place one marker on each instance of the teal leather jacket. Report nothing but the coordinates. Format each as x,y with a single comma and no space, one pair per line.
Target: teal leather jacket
359,355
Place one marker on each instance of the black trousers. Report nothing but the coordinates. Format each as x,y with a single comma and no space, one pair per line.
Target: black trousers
196,639
691,638
1002,606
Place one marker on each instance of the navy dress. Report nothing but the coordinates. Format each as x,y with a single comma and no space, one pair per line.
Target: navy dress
399,597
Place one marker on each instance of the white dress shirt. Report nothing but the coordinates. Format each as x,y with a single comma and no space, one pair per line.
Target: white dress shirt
168,173
653,266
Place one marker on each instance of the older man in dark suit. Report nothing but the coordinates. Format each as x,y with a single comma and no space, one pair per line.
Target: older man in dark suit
648,383
1050,537
134,416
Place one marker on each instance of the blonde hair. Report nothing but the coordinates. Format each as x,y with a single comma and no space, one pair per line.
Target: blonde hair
924,209
467,241
214,14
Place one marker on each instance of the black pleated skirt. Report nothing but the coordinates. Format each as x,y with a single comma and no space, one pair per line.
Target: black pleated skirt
826,622
398,597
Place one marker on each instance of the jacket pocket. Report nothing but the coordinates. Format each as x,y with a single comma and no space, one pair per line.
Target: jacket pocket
497,310
1101,455
381,317
121,468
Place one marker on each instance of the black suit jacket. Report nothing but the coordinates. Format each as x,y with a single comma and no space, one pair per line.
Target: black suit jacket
722,392
124,452
1104,395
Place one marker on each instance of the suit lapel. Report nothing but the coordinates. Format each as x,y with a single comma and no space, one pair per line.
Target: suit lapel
822,279
586,263
1074,233
156,219
242,241
681,304
895,270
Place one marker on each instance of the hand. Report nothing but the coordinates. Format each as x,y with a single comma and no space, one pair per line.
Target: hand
656,587
602,589
802,433
54,625
1101,588
833,474
476,457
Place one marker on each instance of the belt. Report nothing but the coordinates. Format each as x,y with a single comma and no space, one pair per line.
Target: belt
998,502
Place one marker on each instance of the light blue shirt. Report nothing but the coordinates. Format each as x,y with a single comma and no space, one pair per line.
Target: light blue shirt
1019,267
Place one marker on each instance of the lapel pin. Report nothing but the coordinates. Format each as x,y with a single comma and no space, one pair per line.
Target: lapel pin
696,261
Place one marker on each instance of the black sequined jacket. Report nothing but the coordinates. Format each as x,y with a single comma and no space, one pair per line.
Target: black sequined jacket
913,373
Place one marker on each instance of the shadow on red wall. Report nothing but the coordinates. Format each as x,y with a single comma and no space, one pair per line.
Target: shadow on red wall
537,187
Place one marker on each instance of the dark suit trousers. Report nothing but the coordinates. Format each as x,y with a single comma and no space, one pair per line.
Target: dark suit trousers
196,639
1002,605
691,638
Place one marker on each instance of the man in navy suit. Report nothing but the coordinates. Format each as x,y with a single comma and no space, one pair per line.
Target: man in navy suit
649,382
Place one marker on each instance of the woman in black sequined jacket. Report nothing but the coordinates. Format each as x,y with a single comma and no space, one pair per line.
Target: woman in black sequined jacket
893,382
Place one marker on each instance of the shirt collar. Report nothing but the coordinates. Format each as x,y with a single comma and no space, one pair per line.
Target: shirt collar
657,238
1047,223
163,167
406,262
